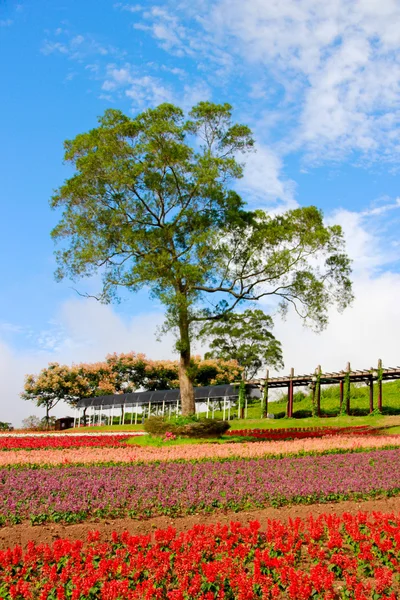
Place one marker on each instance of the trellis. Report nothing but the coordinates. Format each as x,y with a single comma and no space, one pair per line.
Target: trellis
315,380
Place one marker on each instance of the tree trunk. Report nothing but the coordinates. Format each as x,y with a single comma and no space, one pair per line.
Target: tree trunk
47,416
185,380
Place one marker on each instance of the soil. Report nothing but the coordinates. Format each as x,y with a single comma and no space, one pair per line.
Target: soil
23,533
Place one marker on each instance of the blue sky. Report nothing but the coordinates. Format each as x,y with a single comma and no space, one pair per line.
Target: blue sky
319,85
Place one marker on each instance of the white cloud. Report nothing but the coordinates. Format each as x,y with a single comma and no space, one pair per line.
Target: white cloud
79,47
148,91
368,238
338,62
369,330
132,8
344,57
194,93
143,90
263,184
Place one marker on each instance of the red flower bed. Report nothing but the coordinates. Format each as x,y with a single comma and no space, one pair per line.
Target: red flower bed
329,558
300,433
62,441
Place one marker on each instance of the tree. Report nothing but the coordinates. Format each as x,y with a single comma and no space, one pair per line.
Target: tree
5,426
246,338
151,205
132,371
49,387
32,422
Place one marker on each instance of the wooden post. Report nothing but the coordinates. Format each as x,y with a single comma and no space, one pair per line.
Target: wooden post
265,394
291,391
244,405
289,410
371,394
341,386
348,369
379,386
319,392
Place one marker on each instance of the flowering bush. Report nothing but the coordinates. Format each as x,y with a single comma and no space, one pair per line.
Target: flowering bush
187,427
77,493
249,450
327,558
62,441
169,437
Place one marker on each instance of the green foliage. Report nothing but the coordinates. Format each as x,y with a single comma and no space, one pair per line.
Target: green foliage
148,206
299,397
5,426
246,338
192,428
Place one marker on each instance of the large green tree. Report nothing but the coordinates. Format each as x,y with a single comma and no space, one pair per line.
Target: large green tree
151,204
245,337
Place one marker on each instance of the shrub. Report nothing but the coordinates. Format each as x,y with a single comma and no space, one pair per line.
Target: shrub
194,428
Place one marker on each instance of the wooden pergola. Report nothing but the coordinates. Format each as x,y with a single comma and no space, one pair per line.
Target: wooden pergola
318,378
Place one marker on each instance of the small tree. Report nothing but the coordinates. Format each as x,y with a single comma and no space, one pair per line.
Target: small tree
49,387
246,338
5,426
32,423
152,204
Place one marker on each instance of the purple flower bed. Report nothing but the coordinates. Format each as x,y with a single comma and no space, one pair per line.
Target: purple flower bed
76,493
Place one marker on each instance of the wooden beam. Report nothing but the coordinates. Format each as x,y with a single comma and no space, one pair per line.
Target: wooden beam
348,369
341,386
291,393
265,394
319,392
380,387
371,394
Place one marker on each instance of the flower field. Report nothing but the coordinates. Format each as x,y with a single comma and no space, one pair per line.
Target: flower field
73,493
61,441
328,558
74,479
129,454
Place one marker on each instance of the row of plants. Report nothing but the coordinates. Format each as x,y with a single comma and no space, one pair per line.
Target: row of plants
325,558
300,433
80,492
62,441
170,450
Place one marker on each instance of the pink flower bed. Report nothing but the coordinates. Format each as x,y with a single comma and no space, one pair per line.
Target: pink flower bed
130,454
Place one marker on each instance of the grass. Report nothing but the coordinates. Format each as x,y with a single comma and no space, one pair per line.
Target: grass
152,441
138,427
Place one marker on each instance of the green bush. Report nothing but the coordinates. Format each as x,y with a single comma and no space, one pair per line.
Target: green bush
192,428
